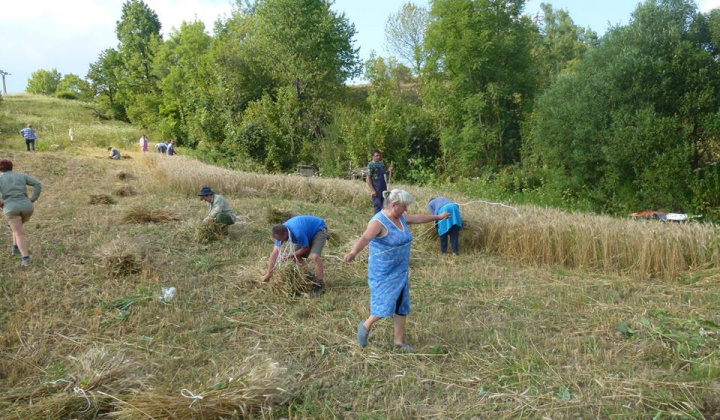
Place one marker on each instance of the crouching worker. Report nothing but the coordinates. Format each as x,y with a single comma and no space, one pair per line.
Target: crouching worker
308,235
220,211
114,153
447,227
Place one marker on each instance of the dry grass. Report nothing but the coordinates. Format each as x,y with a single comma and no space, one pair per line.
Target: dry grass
501,337
101,199
140,214
126,191
256,388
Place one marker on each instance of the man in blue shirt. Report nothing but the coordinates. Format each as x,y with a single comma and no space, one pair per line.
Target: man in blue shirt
376,179
30,137
308,235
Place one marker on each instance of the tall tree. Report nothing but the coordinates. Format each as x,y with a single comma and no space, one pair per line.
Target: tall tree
637,121
138,32
104,77
44,82
405,35
73,83
481,81
307,50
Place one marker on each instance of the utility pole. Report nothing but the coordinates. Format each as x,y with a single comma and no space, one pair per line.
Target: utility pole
3,74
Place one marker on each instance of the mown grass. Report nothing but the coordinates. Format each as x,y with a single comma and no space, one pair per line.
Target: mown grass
498,336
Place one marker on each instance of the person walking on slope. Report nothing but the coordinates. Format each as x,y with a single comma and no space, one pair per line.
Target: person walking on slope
220,211
447,227
16,205
308,235
390,239
143,143
29,134
376,179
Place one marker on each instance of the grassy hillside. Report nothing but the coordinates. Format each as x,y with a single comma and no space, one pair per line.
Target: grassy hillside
544,315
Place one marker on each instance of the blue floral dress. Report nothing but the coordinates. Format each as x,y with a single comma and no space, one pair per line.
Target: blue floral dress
388,269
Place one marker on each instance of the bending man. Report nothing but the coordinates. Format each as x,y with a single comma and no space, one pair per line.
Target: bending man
220,211
447,227
308,235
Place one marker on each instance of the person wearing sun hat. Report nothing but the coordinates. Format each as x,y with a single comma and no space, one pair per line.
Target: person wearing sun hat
220,211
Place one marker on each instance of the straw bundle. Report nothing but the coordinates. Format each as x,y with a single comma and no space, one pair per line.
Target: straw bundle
210,232
119,261
126,191
83,394
101,199
275,216
124,175
141,214
256,391
289,281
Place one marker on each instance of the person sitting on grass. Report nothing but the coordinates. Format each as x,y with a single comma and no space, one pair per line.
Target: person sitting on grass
390,239
447,227
220,211
308,235
16,205
114,153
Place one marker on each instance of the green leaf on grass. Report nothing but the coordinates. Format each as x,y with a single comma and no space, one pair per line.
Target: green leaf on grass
564,394
624,328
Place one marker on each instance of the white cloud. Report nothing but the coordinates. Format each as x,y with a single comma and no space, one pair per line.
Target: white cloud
707,5
69,35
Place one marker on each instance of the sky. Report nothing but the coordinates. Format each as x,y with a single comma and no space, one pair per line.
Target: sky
69,35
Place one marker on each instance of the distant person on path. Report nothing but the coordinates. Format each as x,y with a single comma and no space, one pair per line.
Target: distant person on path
161,148
308,235
143,143
390,239
220,211
171,149
16,205
71,134
376,179
447,227
29,134
114,153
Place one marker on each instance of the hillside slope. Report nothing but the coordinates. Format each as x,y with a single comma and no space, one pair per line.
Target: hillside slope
83,335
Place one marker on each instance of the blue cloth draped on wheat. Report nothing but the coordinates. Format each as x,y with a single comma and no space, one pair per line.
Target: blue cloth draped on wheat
443,226
388,269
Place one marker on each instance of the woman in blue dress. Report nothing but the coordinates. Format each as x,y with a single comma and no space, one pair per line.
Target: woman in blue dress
389,239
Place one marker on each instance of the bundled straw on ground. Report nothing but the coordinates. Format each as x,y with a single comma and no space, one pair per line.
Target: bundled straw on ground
289,280
126,191
101,199
87,390
118,260
140,214
275,216
209,232
255,390
124,175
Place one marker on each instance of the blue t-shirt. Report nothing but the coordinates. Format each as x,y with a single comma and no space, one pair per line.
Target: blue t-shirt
302,229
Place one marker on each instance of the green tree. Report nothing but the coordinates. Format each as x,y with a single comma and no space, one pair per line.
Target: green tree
637,122
44,82
74,84
138,32
405,35
180,65
562,43
481,81
307,51
104,76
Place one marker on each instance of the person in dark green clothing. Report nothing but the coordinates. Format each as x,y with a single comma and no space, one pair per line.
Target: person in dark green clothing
16,205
